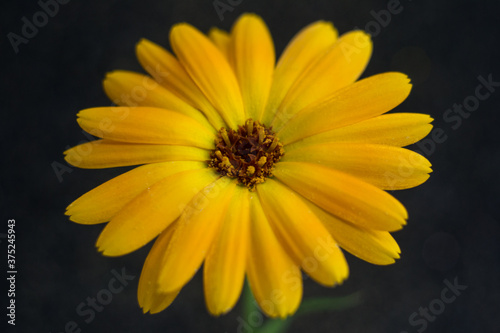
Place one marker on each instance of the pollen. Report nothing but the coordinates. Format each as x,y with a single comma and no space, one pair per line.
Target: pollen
247,154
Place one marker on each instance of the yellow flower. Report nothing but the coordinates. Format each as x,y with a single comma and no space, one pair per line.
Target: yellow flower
250,167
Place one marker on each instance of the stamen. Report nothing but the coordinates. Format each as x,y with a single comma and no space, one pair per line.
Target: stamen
249,124
273,145
223,133
260,129
247,154
262,161
225,164
250,170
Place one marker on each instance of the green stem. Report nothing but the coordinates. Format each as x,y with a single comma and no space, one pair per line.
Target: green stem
249,303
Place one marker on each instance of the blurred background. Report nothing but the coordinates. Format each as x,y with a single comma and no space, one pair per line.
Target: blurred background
448,48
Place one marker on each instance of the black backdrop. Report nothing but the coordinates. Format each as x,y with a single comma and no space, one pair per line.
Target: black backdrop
453,230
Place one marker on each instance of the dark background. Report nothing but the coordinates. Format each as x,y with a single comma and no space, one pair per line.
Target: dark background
453,230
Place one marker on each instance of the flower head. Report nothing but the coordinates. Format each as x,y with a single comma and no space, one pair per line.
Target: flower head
250,167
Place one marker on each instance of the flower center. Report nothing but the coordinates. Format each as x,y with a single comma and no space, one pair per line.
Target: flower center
248,154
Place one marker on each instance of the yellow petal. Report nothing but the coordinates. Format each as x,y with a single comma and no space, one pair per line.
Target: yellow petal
343,195
109,154
210,71
168,72
147,215
362,100
144,124
386,167
374,246
224,267
393,129
252,55
308,44
150,300
196,230
275,280
339,67
302,234
221,39
132,89
105,201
